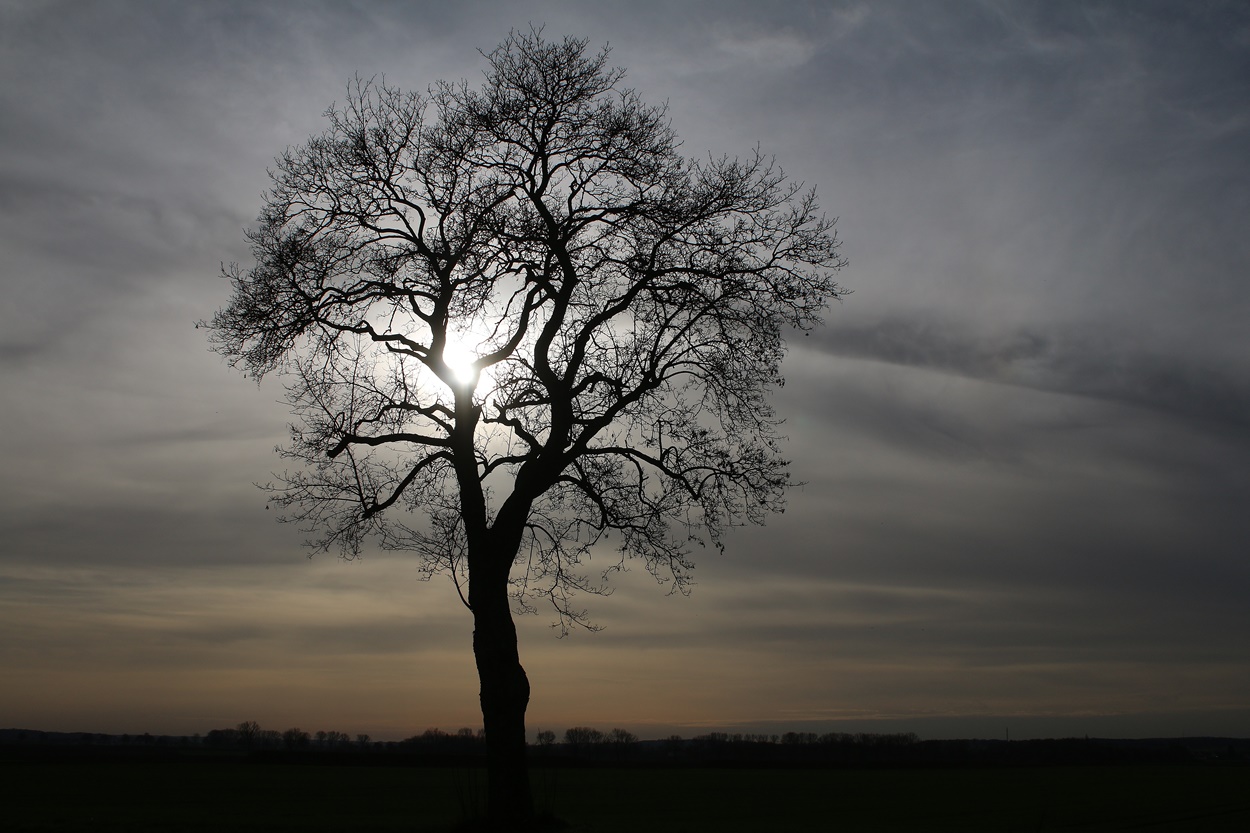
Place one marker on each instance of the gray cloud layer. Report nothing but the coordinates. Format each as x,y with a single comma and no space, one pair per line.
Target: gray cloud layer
1025,436
1086,364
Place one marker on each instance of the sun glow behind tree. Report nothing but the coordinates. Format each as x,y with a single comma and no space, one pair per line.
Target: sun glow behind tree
460,354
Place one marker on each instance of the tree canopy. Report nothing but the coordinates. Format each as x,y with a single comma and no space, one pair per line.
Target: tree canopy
520,305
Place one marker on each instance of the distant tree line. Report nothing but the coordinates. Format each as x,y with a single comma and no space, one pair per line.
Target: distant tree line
583,744
579,740
250,735
463,740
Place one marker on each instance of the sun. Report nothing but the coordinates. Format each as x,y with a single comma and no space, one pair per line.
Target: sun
467,343
460,356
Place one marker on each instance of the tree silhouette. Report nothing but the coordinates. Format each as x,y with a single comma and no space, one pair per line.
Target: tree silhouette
248,733
580,738
295,738
517,326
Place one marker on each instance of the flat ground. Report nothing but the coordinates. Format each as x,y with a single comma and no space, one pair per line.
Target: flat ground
201,797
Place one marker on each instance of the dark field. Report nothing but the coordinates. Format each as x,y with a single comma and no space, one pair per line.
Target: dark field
230,796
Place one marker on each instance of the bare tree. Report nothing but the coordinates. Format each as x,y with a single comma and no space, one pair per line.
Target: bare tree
518,327
248,733
623,742
583,736
295,738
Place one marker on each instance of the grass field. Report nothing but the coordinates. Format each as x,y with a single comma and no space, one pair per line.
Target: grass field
146,798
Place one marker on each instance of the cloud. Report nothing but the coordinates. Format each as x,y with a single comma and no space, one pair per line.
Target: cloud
1063,361
780,49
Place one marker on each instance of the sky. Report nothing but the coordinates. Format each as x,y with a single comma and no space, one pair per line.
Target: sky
1024,437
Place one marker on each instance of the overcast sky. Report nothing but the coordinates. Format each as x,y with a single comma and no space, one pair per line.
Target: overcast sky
1025,436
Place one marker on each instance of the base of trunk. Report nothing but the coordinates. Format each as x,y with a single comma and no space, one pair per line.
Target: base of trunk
505,696
537,824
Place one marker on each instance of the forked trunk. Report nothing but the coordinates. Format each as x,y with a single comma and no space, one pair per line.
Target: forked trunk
505,694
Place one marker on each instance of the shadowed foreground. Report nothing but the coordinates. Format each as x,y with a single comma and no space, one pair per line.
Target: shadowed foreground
141,797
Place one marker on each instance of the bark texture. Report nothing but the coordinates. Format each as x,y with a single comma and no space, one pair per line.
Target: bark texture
505,694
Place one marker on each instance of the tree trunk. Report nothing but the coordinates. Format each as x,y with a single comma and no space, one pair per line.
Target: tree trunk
505,694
